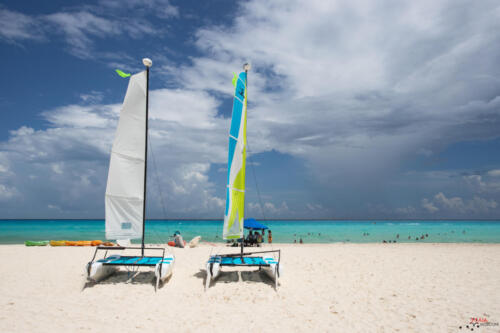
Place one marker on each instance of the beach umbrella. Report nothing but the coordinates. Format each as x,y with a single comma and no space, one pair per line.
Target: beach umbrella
253,224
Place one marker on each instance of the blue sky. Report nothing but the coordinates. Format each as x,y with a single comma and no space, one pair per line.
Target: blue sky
356,110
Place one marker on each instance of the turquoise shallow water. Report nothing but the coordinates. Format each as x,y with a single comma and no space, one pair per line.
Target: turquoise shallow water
159,231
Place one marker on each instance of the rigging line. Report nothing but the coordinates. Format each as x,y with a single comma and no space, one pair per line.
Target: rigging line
252,167
159,188
257,188
256,184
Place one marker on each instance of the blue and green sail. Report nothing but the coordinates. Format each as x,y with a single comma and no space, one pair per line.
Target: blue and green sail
235,191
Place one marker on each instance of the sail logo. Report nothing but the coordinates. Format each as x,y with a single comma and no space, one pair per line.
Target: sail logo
126,225
241,92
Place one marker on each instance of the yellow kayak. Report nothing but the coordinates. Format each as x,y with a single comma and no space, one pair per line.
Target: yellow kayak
83,243
78,243
57,243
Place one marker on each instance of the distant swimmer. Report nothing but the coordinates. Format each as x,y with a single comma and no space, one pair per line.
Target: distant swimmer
409,237
300,241
426,235
397,236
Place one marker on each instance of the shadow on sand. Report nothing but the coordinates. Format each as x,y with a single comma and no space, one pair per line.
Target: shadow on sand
141,277
257,276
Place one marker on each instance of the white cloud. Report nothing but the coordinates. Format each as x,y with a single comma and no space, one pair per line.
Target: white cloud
494,173
160,8
77,116
57,168
457,206
408,211
351,87
455,203
268,209
16,26
80,28
7,193
314,207
71,158
429,206
481,184
83,26
94,97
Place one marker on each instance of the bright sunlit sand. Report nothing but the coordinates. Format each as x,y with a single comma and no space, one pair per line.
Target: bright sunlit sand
325,287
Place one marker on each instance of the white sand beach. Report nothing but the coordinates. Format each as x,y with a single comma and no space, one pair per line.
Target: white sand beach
330,287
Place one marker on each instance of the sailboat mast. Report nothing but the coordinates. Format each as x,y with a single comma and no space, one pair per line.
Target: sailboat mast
246,67
147,62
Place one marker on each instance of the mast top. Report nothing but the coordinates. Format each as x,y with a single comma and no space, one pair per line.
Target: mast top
247,66
147,62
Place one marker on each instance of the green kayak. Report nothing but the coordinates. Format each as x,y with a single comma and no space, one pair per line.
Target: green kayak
36,243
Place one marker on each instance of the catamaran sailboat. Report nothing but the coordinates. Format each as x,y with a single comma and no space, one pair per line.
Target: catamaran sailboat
235,194
126,189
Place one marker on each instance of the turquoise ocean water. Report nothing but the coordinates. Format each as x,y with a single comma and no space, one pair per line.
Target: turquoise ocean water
315,231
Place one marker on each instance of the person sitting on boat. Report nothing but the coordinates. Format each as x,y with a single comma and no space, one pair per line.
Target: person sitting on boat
179,241
248,241
258,238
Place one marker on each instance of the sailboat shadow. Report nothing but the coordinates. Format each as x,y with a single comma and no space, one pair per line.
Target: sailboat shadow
124,277
234,277
257,277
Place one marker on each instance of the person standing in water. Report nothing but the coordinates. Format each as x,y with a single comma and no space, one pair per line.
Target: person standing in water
269,237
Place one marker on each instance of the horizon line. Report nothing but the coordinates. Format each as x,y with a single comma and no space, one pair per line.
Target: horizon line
269,219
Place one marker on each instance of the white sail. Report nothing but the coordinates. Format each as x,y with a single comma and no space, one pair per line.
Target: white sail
125,188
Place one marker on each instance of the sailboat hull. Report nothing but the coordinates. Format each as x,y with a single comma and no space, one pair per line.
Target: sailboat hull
164,270
97,271
269,265
274,270
213,270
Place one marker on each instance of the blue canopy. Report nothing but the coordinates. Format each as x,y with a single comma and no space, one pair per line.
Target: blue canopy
253,224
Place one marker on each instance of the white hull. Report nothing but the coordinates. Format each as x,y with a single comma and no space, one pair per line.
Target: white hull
163,271
274,271
211,273
98,272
